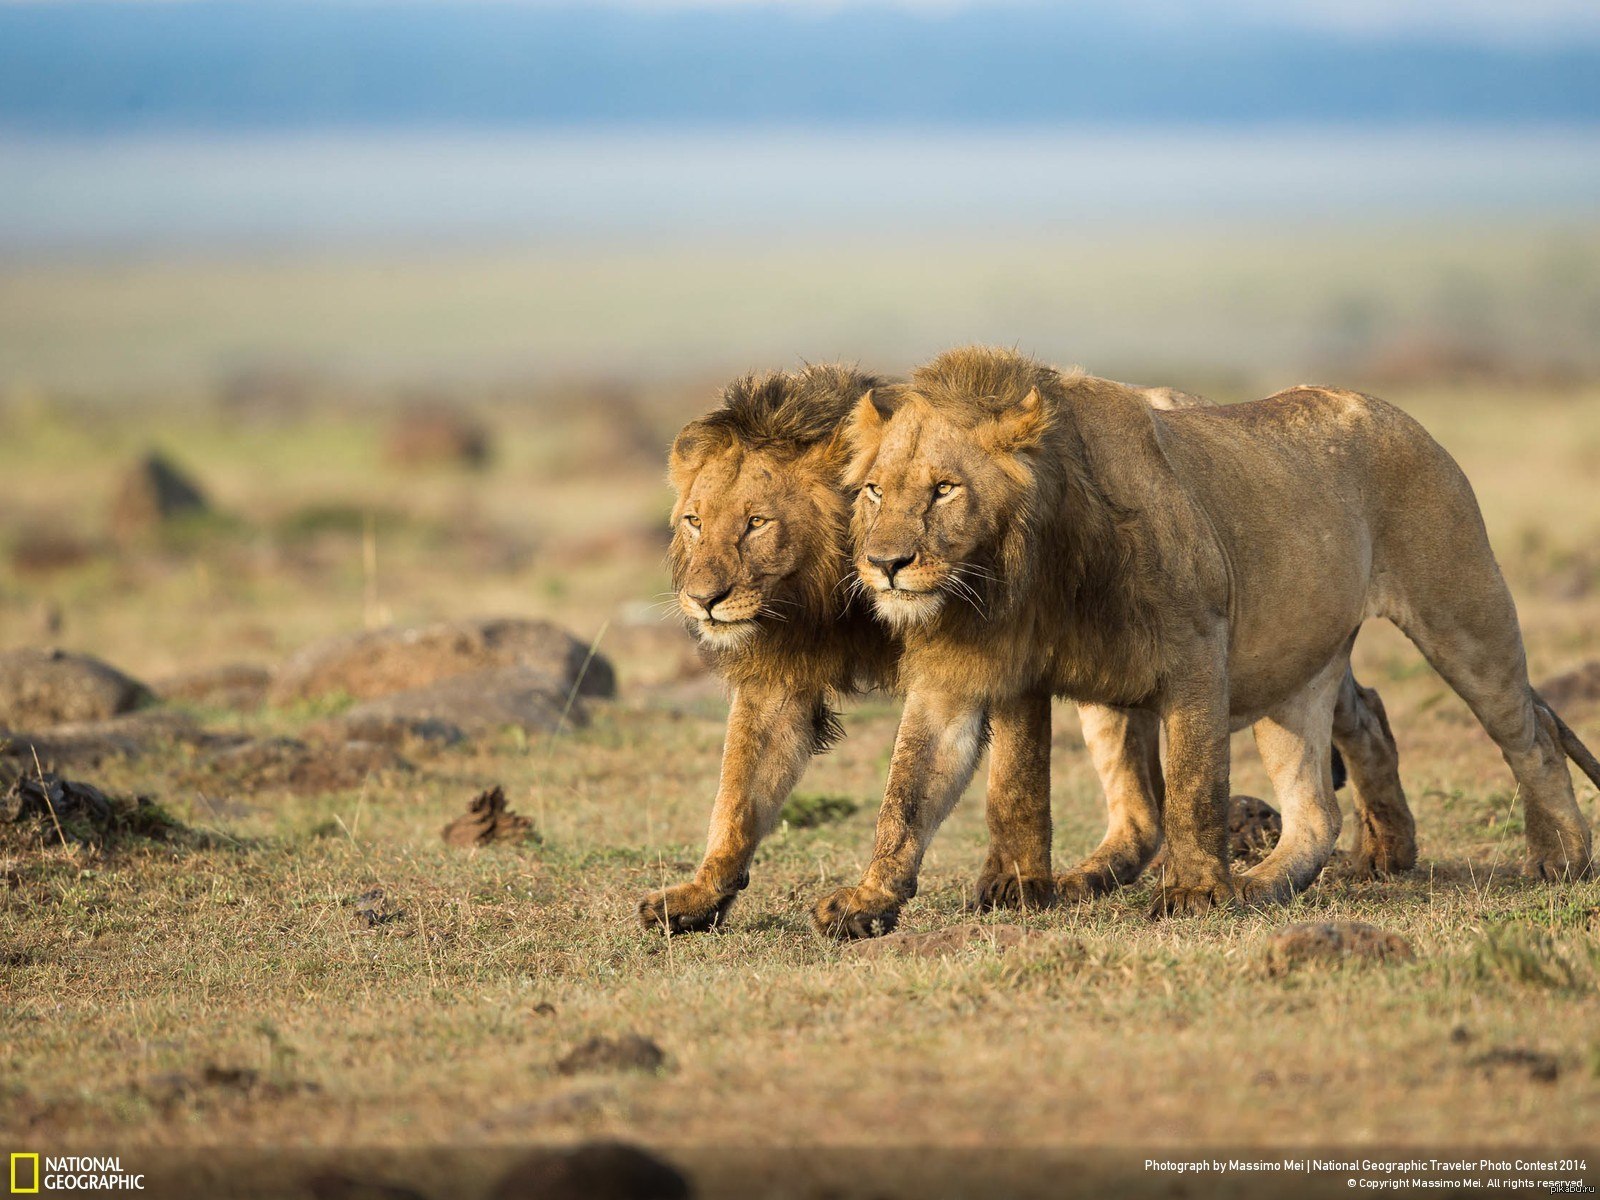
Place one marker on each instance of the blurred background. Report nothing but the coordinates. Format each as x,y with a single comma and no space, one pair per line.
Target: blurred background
426,286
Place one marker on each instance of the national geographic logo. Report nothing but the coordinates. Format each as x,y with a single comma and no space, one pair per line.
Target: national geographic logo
31,1174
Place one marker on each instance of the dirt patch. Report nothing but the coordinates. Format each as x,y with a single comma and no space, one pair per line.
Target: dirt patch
1254,827
1577,688
436,435
86,745
236,686
1535,1064
630,1052
47,809
942,943
1332,942
488,820
483,702
384,662
41,688
177,1088
152,493
593,1171
295,766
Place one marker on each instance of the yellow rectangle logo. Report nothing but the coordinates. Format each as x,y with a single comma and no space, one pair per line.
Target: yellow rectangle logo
16,1188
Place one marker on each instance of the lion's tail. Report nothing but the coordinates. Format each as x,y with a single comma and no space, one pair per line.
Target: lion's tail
1576,750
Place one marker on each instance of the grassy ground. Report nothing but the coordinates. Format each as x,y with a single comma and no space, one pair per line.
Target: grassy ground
125,976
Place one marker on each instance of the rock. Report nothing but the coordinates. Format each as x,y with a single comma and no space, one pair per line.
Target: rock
593,1171
412,733
479,703
382,662
654,654
941,943
1254,827
435,435
152,493
42,688
630,1052
299,767
237,686
336,1185
1332,942
487,821
1572,689
44,549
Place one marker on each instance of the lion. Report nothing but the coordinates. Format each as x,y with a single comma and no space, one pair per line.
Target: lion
1210,566
762,574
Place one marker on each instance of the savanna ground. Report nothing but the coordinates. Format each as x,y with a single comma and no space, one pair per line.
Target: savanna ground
126,976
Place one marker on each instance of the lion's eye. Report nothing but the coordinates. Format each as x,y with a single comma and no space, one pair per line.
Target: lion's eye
874,491
693,521
757,522
944,489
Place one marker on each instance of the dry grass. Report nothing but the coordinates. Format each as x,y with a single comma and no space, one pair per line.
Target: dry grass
441,1024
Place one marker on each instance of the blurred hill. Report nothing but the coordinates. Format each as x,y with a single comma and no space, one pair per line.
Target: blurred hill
267,64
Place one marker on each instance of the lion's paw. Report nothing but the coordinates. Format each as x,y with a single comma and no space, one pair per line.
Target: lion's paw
1178,899
1007,889
1084,883
1264,891
1375,858
856,912
1559,867
686,908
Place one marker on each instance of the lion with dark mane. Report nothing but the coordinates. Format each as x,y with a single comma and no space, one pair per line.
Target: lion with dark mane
1209,566
761,571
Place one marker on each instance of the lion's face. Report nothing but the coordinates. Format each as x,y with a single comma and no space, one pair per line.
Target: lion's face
755,536
933,497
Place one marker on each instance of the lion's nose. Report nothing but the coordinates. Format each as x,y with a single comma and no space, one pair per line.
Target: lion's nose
709,600
889,565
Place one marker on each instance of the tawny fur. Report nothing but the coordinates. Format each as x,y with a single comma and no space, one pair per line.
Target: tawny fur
1210,566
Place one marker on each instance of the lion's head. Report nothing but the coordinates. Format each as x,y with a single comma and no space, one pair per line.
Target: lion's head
947,468
759,524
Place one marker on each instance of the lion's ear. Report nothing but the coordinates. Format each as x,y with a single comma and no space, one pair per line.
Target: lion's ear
867,420
1020,427
690,449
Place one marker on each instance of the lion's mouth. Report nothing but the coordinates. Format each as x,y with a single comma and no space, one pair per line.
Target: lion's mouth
902,606
726,633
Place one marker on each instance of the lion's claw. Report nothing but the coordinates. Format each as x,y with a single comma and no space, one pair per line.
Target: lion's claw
1190,900
1007,889
851,913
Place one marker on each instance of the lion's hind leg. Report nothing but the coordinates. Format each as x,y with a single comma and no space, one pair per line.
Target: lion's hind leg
1477,647
1386,833
1296,748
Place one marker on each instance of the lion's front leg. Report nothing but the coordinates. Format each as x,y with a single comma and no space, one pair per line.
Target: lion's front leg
771,736
1016,873
935,752
1194,875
